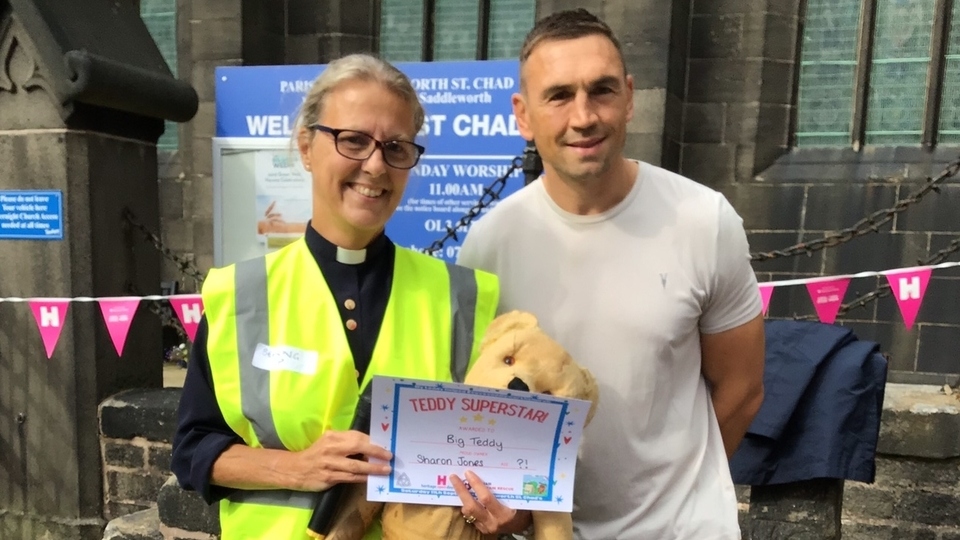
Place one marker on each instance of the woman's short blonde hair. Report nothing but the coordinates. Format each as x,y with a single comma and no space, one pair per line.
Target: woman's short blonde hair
358,67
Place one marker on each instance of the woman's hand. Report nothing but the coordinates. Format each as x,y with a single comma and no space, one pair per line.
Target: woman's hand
484,511
340,457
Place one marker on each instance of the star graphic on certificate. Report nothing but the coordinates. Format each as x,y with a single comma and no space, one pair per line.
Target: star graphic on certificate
478,417
560,500
385,407
381,489
463,419
492,421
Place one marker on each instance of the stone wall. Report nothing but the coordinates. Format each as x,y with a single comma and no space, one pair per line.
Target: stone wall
737,132
136,432
917,492
916,495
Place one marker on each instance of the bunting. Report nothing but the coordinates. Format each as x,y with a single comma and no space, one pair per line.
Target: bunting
827,296
117,312
909,286
50,313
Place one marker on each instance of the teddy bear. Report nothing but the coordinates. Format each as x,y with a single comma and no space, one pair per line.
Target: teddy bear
514,353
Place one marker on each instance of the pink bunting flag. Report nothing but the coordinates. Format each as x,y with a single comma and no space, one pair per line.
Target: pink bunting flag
766,291
909,286
50,315
189,308
827,296
118,314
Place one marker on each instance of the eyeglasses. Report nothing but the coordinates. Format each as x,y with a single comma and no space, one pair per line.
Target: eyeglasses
360,146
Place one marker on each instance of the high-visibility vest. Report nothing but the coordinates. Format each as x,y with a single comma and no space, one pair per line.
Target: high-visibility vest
279,305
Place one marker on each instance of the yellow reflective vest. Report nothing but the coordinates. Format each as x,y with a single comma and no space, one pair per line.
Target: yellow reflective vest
282,368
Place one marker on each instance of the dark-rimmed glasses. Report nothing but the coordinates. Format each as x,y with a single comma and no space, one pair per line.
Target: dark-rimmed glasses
360,146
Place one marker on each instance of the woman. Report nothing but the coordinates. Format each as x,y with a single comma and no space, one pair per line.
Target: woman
289,340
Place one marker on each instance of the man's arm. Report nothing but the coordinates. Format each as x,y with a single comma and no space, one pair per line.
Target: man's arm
733,367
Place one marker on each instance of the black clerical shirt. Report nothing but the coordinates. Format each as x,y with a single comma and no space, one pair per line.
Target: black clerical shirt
361,292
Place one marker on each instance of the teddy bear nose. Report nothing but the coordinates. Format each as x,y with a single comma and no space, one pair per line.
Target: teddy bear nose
518,384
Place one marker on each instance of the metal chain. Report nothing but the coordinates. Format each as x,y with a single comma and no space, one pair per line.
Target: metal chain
167,318
490,194
869,224
185,266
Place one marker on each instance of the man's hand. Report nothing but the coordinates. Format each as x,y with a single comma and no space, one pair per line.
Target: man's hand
485,511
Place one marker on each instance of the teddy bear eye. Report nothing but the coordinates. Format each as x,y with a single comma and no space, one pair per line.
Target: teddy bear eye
508,360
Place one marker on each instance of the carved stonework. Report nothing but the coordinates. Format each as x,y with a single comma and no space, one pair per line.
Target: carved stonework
6,44
18,69
26,95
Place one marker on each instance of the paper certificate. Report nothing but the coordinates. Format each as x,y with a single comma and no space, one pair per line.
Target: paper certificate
524,446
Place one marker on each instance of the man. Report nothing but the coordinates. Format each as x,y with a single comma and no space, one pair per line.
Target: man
645,277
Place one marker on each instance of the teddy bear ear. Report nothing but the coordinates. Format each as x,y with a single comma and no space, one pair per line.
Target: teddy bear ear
508,322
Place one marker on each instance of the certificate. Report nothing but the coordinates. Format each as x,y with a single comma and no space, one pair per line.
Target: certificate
523,445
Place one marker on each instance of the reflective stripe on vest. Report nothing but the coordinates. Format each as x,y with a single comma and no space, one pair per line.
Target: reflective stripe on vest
411,318
253,327
277,497
463,305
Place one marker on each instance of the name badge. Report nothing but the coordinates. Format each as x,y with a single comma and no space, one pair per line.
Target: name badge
284,358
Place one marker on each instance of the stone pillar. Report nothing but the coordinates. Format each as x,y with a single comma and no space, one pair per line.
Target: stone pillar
321,30
209,34
740,89
136,433
82,112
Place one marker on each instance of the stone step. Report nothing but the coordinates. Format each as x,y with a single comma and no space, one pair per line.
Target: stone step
142,525
186,511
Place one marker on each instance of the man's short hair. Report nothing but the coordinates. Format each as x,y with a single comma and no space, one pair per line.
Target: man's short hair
564,25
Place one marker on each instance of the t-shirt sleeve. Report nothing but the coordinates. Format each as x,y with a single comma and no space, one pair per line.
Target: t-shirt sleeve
473,251
733,298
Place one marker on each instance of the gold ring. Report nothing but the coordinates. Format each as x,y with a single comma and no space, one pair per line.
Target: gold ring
469,519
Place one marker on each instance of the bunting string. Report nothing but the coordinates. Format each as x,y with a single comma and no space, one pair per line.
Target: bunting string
117,312
804,281
16,299
908,286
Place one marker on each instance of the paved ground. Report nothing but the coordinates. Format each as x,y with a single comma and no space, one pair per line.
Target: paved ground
173,374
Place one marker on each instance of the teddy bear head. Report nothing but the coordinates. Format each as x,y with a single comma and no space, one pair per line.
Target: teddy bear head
517,354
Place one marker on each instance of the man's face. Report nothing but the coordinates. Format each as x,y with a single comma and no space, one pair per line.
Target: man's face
575,105
354,199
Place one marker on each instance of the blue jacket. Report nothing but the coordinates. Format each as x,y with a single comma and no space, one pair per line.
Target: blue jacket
820,417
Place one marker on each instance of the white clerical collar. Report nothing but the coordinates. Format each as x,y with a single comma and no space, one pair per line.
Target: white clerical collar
351,256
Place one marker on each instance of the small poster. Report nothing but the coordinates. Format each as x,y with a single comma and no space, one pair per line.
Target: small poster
284,197
523,445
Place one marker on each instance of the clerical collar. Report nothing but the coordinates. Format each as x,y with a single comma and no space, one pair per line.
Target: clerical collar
324,250
351,256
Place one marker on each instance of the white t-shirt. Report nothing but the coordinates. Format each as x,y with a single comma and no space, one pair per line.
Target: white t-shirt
628,293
